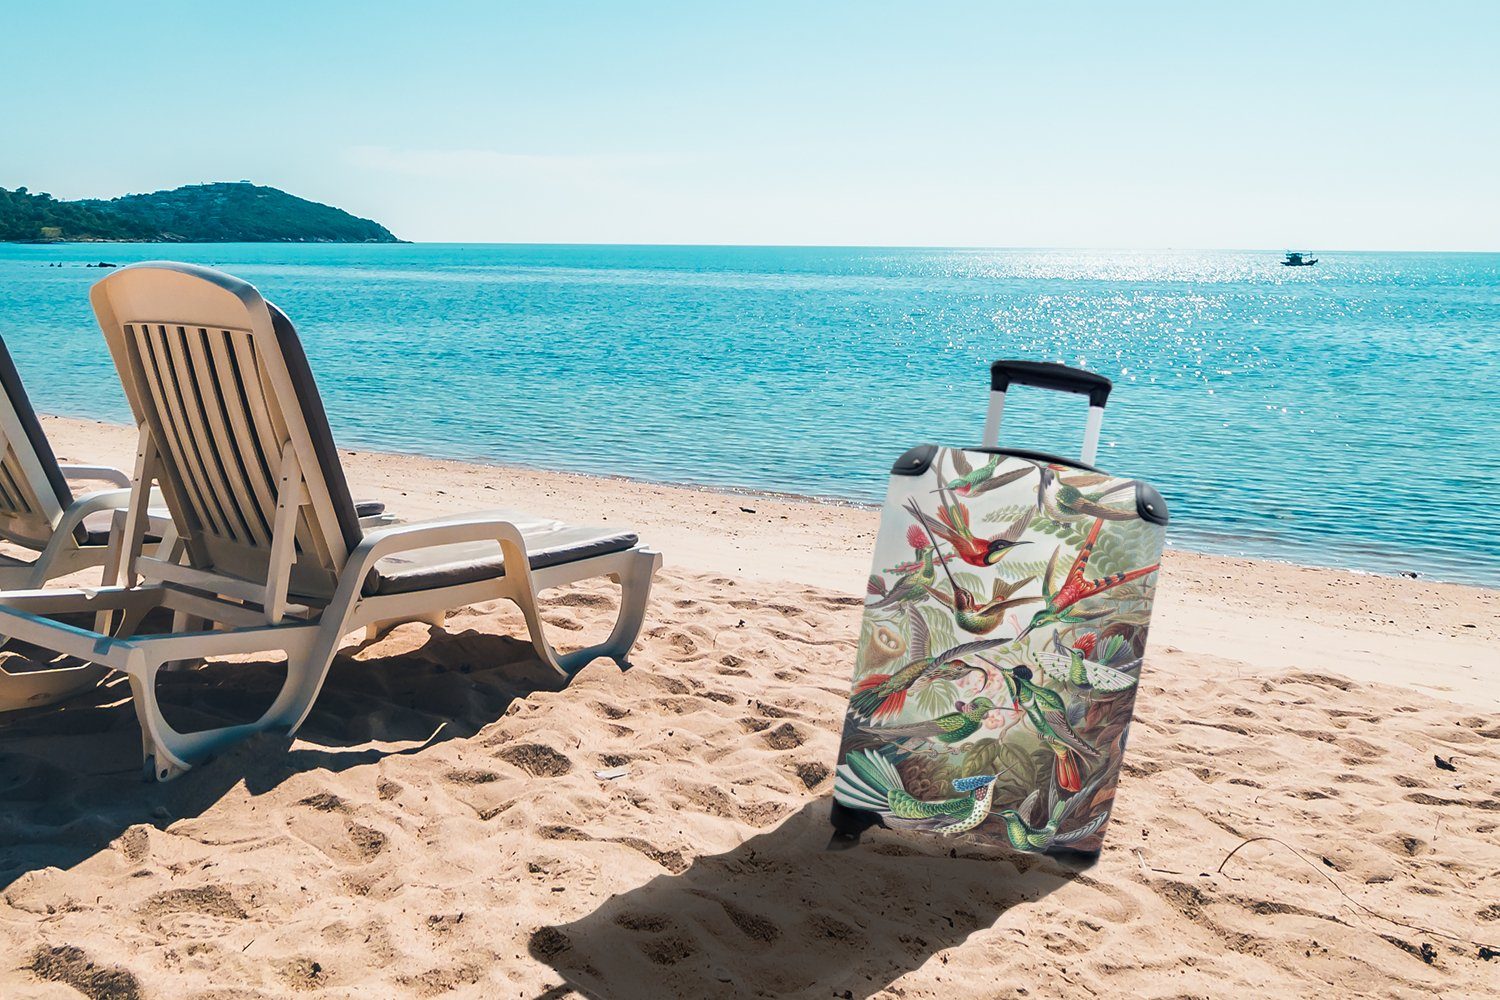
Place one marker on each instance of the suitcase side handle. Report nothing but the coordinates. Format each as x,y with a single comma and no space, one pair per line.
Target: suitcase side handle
1048,375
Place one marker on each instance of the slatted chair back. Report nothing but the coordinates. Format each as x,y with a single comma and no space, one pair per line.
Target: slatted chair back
233,429
33,490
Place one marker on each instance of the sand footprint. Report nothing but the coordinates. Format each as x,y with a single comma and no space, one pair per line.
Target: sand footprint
71,966
756,929
784,737
732,666
811,773
645,923
324,802
536,759
135,843
666,945
338,839
562,620
672,861
583,599
205,911
365,842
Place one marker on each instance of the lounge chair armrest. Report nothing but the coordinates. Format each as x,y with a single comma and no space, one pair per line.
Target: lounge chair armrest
100,473
92,503
403,537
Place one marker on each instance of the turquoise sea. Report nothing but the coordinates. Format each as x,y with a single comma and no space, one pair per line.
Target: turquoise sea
1344,415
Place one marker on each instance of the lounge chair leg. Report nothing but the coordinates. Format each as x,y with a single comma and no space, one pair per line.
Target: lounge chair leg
635,594
162,757
168,753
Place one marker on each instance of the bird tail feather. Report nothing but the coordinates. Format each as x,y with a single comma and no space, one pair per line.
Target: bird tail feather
868,702
865,781
1069,777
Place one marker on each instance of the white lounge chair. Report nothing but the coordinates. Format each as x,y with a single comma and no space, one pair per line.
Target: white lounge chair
275,558
38,510
39,513
54,533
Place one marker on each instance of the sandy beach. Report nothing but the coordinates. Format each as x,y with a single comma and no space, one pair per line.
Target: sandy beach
1311,800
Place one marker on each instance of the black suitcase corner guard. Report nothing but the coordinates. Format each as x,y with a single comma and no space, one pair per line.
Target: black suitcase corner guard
915,461
1149,504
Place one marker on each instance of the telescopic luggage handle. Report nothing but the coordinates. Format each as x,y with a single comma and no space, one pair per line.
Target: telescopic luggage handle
1047,375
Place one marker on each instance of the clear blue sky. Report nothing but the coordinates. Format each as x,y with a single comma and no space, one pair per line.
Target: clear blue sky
1327,124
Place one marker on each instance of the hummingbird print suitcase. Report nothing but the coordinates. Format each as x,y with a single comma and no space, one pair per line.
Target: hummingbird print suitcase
1002,641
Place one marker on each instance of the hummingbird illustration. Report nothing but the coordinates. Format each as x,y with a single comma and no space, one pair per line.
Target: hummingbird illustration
911,586
1061,599
1026,837
882,696
971,616
868,780
971,482
1048,714
1064,499
950,729
952,526
982,619
920,542
1087,673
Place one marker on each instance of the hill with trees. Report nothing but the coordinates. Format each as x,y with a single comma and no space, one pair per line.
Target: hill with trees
199,213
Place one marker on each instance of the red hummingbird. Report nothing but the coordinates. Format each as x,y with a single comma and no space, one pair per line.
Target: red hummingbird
1075,588
952,526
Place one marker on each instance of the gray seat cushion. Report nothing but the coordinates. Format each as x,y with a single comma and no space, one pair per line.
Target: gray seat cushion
96,527
548,543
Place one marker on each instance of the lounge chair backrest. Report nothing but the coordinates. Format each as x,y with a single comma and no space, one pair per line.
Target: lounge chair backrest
218,379
33,490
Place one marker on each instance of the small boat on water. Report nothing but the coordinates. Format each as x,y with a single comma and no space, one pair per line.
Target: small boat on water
1295,258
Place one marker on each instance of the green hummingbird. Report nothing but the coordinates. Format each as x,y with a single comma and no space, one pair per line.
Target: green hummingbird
908,587
881,696
1088,674
982,619
868,780
1060,600
1065,501
1048,714
952,728
971,482
1025,836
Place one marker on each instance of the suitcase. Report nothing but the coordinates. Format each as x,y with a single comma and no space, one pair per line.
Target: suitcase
1003,634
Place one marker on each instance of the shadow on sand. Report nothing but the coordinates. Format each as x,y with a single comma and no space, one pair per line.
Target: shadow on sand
70,774
782,916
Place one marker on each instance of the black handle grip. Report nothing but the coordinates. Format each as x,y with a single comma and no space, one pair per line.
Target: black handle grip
1049,375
